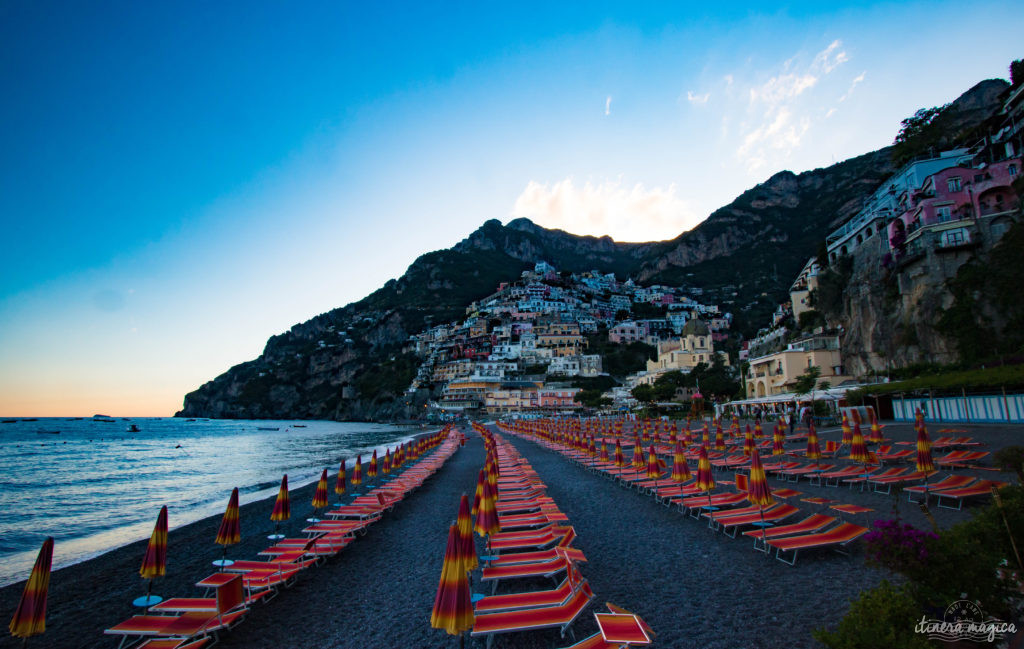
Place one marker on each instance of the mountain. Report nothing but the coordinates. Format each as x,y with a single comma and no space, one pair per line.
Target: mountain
349,363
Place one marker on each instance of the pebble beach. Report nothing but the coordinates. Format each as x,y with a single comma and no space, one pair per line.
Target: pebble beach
695,587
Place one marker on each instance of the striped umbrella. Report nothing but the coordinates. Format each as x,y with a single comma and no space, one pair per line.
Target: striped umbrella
282,508
467,548
813,447
758,431
680,469
620,461
30,616
875,437
480,480
386,465
706,435
653,466
719,438
319,497
758,491
638,456
858,449
847,431
778,441
371,468
924,462
453,610
154,562
705,481
230,531
748,443
339,484
604,451
487,516
357,472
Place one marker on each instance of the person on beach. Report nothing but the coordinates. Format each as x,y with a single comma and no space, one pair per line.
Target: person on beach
791,415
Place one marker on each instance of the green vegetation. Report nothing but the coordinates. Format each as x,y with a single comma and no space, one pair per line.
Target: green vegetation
592,398
620,360
832,281
602,383
808,380
644,394
948,382
809,320
1011,460
963,562
986,318
389,378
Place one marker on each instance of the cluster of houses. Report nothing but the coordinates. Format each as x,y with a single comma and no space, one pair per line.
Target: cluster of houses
518,349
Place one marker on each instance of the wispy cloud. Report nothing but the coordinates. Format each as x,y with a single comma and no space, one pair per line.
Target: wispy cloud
779,113
608,105
626,213
853,84
697,99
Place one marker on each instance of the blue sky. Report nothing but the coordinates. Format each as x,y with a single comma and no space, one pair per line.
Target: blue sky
180,181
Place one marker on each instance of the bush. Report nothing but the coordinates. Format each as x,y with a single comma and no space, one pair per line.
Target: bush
899,547
883,616
1009,459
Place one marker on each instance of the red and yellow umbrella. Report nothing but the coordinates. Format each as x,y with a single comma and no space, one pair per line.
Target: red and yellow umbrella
847,431
758,491
154,563
924,462
604,451
748,443
282,506
705,481
875,437
339,484
706,435
758,431
813,447
719,439
487,516
479,494
453,610
467,548
680,469
371,468
320,495
638,456
858,449
620,461
386,465
357,472
230,531
778,441
30,616
653,466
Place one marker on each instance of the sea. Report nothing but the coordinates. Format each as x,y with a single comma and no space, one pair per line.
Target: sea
94,485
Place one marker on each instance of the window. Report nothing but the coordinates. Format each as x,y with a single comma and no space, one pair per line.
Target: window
953,184
979,177
942,214
1012,169
955,237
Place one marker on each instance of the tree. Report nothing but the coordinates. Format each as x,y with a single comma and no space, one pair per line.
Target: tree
807,381
643,393
592,398
1017,73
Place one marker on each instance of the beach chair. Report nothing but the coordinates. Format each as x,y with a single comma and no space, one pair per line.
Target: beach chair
542,555
785,493
949,482
813,523
894,456
838,537
773,514
560,617
889,481
960,458
532,599
513,541
173,643
694,504
794,474
230,610
980,488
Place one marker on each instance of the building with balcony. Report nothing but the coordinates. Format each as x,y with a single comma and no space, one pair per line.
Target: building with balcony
800,290
695,345
777,373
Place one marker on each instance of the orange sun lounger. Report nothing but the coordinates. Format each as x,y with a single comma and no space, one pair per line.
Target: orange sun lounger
980,488
560,617
949,482
812,523
774,514
532,599
840,536
230,610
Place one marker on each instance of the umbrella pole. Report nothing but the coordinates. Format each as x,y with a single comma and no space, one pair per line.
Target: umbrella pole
764,531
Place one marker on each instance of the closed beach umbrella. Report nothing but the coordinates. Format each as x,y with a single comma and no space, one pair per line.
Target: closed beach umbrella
705,481
357,472
478,496
230,531
680,469
778,441
453,610
487,516
758,431
620,461
847,431
154,562
653,466
706,435
758,491
371,468
30,616
813,447
604,451
719,438
467,548
748,442
875,437
386,466
339,483
638,456
924,462
319,497
282,508
858,450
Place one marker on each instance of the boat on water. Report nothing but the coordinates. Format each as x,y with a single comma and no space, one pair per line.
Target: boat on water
10,421
132,428
266,428
33,419
299,425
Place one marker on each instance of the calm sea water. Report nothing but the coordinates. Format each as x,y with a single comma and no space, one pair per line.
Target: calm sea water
95,486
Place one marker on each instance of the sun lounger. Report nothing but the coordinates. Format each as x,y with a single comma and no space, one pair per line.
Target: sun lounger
771,515
838,474
793,475
888,482
837,537
532,599
560,617
960,458
893,456
230,610
542,555
949,482
812,523
718,500
541,540
173,643
980,488
786,493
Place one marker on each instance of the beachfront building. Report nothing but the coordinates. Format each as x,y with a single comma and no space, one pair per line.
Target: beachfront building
777,373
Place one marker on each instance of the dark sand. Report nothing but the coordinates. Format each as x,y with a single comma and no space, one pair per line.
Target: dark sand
696,587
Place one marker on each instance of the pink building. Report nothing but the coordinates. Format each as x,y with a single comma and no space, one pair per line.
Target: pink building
957,195
558,398
627,332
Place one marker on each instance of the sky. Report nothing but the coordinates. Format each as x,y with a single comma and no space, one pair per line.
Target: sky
179,181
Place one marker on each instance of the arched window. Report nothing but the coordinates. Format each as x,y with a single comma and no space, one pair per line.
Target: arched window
867,233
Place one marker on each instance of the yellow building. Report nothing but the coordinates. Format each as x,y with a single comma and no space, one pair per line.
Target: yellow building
800,291
694,346
777,373
561,344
